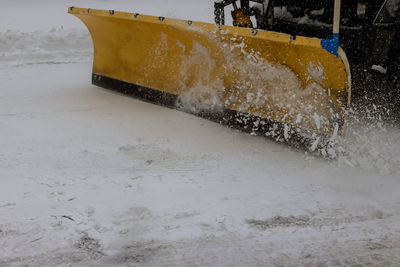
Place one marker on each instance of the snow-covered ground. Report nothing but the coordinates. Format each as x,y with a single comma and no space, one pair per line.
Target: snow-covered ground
92,178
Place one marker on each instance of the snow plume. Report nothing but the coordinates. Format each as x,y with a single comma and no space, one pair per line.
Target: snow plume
56,46
238,78
202,94
200,98
274,91
370,145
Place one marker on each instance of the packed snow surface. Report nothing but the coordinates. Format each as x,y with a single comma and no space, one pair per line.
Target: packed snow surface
93,178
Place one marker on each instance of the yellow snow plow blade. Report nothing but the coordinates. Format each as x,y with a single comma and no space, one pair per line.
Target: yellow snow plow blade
221,69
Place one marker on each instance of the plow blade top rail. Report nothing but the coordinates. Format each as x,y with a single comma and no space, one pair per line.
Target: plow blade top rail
205,67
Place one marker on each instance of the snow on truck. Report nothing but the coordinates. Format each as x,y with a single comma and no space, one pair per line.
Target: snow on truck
279,69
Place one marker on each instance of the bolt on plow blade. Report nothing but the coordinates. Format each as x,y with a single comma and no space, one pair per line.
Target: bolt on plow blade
221,70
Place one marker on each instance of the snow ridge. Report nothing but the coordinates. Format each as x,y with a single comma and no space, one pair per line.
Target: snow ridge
56,46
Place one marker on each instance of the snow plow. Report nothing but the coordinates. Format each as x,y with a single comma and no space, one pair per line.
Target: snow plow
281,84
